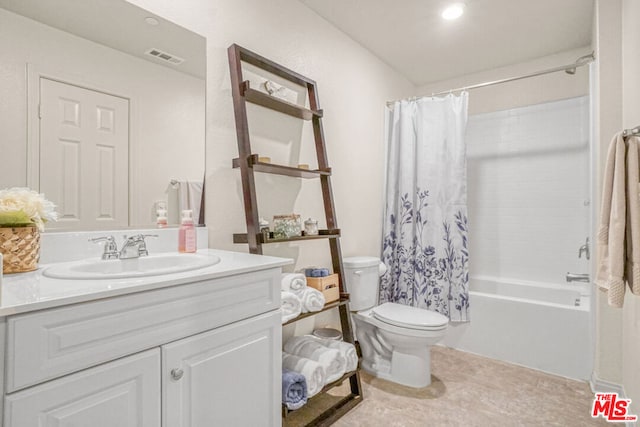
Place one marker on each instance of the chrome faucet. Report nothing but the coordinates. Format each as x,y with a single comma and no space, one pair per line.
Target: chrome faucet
578,277
110,247
135,246
584,249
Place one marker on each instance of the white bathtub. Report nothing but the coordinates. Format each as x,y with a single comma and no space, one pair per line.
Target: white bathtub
538,325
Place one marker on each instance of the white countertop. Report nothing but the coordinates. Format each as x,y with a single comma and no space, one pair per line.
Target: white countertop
26,292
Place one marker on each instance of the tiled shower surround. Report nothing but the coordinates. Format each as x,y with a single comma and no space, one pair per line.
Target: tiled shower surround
528,191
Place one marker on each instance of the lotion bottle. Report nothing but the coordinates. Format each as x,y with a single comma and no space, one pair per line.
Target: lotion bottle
187,233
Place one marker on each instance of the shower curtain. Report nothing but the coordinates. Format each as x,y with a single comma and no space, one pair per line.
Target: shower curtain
425,218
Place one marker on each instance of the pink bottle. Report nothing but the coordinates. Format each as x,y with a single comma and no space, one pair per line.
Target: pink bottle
187,233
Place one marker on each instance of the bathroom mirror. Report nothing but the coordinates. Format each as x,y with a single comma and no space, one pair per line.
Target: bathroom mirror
102,108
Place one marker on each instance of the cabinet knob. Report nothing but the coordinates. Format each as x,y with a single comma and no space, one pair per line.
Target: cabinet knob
176,374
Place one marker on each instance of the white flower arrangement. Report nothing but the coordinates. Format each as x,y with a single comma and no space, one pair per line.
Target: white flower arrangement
23,207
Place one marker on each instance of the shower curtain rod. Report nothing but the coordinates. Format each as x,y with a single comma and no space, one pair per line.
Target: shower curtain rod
570,68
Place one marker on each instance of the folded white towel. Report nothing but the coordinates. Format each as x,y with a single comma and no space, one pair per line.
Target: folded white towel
347,350
312,371
330,359
312,299
293,282
291,306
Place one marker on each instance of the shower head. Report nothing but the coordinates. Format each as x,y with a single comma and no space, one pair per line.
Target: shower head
571,71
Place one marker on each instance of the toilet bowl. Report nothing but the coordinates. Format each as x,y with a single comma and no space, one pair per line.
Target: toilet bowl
395,339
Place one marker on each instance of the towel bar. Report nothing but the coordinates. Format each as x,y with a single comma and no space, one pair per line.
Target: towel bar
631,132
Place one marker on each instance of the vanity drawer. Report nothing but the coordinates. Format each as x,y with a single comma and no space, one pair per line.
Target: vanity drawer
55,342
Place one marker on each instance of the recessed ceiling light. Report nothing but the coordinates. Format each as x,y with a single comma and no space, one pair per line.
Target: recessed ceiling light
453,11
151,20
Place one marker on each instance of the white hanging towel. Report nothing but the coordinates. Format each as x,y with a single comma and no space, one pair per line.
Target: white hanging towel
611,232
633,215
619,230
184,195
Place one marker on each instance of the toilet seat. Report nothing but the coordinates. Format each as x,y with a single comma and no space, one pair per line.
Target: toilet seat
409,317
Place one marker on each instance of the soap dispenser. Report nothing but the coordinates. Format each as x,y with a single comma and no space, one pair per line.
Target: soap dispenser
161,219
187,233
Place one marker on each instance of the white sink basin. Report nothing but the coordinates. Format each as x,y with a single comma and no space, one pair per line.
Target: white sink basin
152,265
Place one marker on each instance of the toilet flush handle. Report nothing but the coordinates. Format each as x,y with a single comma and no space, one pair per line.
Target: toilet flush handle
358,272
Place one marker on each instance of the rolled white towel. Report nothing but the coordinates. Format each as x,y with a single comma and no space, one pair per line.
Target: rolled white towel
293,344
330,359
312,300
291,306
347,350
293,282
312,371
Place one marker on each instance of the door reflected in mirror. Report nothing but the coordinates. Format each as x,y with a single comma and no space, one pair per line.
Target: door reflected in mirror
104,111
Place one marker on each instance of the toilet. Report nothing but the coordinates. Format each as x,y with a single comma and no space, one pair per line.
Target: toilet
395,339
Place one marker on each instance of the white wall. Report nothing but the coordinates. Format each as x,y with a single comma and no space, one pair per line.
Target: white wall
529,192
631,118
167,107
353,88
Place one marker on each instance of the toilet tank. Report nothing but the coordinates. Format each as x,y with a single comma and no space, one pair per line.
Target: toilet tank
362,276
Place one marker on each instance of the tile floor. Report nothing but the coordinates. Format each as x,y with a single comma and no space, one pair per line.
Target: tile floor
470,390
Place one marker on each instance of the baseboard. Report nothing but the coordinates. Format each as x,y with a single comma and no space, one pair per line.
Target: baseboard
601,386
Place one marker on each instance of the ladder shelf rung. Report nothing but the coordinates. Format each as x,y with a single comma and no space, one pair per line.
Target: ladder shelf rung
328,306
276,169
260,98
324,234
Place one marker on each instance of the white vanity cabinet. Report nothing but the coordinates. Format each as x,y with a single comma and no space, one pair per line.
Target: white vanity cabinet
205,353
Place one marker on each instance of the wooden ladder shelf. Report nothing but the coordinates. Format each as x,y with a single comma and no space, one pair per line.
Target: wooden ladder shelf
249,163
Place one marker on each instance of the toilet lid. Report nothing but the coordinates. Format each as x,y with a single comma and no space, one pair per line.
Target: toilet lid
409,317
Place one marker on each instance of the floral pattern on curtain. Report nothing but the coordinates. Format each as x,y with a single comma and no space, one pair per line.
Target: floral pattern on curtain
425,245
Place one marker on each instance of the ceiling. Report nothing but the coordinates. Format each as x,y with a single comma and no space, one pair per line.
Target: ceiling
411,36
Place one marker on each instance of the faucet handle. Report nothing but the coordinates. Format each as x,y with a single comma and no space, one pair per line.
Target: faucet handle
142,244
110,246
585,249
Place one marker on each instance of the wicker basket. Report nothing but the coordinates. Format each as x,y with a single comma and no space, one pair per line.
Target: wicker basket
20,248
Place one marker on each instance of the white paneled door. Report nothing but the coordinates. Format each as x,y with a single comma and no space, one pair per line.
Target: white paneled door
84,155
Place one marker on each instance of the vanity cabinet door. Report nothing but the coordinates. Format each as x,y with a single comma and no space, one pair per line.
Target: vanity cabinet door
123,393
230,376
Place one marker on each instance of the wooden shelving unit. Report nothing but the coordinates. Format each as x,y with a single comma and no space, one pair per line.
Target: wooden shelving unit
248,163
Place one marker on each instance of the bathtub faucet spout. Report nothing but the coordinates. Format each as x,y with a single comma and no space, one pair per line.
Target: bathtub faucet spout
578,277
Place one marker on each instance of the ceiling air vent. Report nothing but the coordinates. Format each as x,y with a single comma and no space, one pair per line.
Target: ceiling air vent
164,56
